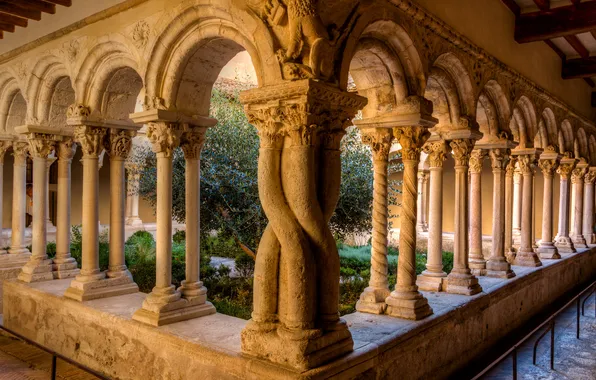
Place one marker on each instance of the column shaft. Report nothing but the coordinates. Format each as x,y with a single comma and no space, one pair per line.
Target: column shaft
526,255
577,199
563,242
509,173
477,262
517,202
588,214
19,198
117,265
547,248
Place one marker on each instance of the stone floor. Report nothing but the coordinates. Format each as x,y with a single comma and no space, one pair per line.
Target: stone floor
19,360
574,359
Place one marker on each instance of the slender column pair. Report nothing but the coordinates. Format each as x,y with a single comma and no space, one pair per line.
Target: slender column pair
477,262
372,299
166,304
577,200
422,224
91,282
588,214
526,255
517,201
461,280
563,241
548,163
4,147
50,226
497,265
39,266
433,277
509,191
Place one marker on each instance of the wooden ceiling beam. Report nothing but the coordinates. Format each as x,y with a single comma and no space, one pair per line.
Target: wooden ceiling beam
7,27
64,3
18,11
9,19
556,49
556,22
512,5
35,5
579,68
1,35
578,46
543,5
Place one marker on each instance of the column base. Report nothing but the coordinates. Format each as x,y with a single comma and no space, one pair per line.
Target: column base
510,255
477,264
18,250
36,270
431,282
100,288
527,258
165,306
372,300
548,251
462,283
298,349
11,260
65,268
590,239
579,241
565,245
408,305
499,268
134,222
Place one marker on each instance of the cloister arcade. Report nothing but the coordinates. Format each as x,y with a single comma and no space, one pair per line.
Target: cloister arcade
418,84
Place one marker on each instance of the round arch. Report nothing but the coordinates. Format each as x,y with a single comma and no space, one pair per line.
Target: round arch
566,137
13,106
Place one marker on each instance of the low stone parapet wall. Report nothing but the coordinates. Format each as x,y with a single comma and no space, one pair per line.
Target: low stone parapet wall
102,335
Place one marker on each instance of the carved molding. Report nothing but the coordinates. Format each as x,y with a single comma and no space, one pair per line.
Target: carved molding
20,150
527,164
40,147
590,177
510,170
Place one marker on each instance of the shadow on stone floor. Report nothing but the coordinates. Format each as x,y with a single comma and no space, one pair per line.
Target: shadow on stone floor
574,358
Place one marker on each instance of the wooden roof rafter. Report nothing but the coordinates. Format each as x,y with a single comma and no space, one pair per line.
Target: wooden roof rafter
15,13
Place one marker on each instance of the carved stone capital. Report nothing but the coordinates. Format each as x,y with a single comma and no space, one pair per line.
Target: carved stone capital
164,137
4,147
118,142
412,140
476,160
499,158
20,150
577,175
510,170
437,151
40,147
192,142
379,140
77,110
590,177
66,149
91,140
527,164
548,167
565,169
462,149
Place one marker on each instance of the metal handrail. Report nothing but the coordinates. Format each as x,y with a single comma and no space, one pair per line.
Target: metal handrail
54,356
551,322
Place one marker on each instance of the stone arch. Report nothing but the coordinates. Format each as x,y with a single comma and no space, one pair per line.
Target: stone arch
581,145
592,150
196,45
566,138
493,111
541,137
525,121
456,71
550,123
98,68
409,74
13,106
50,92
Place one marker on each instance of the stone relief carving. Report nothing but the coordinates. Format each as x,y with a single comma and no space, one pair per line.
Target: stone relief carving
462,148
71,50
66,149
118,143
192,142
164,137
476,161
412,140
499,158
77,110
140,34
4,146
379,141
548,167
90,139
437,152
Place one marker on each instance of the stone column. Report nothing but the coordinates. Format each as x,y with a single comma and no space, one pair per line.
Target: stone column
509,174
476,261
4,146
526,255
577,197
497,265
461,280
132,196
49,225
563,242
117,144
88,282
549,161
422,225
432,278
406,301
295,319
588,214
19,198
517,201
372,299
64,265
39,266
192,288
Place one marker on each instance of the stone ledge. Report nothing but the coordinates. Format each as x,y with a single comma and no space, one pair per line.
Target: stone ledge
102,335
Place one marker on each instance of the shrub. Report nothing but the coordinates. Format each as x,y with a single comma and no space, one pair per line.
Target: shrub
245,265
51,249
179,236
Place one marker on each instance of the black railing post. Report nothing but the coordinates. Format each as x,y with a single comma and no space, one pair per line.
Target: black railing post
53,367
515,363
577,332
552,345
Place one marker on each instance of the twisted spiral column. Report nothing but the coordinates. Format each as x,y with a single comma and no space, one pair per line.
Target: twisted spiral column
461,280
372,299
405,301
